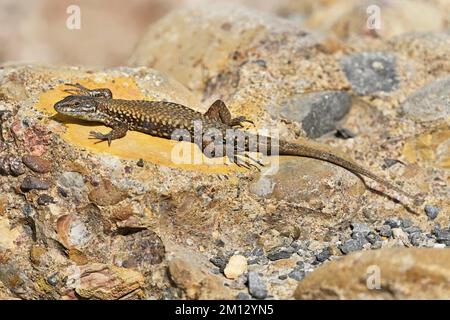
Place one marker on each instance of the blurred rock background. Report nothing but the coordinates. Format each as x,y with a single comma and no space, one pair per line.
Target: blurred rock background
35,30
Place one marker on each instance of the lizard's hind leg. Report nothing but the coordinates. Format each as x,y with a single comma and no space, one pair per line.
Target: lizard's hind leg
218,111
80,90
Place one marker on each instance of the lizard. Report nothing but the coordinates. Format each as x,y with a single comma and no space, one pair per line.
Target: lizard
162,118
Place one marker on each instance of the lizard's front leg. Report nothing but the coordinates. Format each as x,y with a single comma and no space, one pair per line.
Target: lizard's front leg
119,130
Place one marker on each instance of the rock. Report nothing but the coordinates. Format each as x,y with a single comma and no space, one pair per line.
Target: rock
297,274
405,274
443,236
385,231
138,250
302,179
243,296
256,285
106,194
104,282
34,183
370,72
37,164
373,238
278,254
431,211
10,165
430,103
323,255
399,234
44,199
195,282
318,113
219,262
393,223
351,245
236,266
406,223
360,228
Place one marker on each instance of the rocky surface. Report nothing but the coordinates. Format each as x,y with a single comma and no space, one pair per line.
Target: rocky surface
80,220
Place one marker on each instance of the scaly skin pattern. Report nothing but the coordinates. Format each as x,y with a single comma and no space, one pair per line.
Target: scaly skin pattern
161,119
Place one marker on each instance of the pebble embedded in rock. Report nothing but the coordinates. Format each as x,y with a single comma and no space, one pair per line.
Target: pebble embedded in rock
256,285
443,236
297,274
219,262
429,103
280,254
360,228
140,163
373,238
11,165
370,72
33,183
431,211
44,199
351,245
106,194
37,164
317,112
236,266
323,255
385,231
393,222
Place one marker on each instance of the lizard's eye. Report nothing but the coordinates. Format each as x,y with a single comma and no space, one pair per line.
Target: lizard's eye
77,103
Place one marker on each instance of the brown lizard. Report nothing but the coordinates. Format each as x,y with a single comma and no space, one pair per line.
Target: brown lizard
161,119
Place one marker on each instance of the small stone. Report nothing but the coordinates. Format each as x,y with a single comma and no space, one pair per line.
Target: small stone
219,262
401,235
414,238
140,163
33,183
297,274
106,194
360,237
242,296
360,228
344,133
71,180
377,245
16,166
300,264
443,236
393,223
323,255
236,266
53,280
431,211
283,277
45,199
370,72
385,231
412,229
373,238
256,285
37,164
351,245
10,165
280,254
406,223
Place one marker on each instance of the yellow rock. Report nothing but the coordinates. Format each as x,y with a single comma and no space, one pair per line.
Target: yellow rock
7,235
430,148
134,145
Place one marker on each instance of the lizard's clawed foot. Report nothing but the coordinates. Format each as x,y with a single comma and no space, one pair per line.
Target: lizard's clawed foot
101,137
235,122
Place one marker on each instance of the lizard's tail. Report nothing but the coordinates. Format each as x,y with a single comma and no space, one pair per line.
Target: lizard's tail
314,150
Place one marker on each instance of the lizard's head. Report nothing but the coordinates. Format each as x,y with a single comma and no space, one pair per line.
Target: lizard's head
80,107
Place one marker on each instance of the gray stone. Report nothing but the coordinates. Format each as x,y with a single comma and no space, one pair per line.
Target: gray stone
360,228
360,237
280,254
443,236
33,183
370,72
351,245
323,255
242,296
431,211
297,274
406,223
373,238
70,179
386,231
393,222
256,285
429,103
317,112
